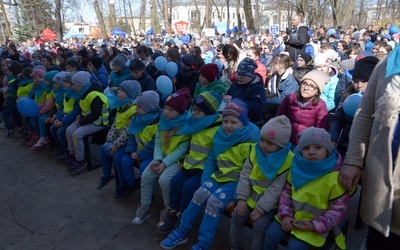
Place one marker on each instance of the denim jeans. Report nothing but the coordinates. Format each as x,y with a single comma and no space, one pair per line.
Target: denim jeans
7,115
107,160
214,196
183,186
275,234
33,123
126,174
58,135
259,228
42,125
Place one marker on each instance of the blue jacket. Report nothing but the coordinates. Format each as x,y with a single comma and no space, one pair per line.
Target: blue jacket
253,94
146,82
100,77
287,85
116,78
328,95
70,118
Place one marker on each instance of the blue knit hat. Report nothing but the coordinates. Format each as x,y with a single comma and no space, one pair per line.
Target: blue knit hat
50,75
238,109
247,67
188,60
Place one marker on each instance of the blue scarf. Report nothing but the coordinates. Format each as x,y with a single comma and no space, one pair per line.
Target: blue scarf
139,122
118,103
270,163
25,81
303,171
222,142
38,89
69,93
165,124
59,96
77,95
194,125
393,62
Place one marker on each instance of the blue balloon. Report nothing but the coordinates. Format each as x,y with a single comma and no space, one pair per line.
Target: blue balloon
171,69
28,107
164,85
112,101
160,63
351,104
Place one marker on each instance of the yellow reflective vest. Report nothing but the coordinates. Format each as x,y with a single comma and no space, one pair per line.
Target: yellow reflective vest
68,106
85,107
312,200
122,118
258,181
200,146
230,162
24,90
145,136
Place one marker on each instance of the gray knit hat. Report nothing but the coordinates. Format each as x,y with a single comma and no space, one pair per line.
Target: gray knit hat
81,78
318,78
247,67
148,101
119,61
313,135
277,130
131,87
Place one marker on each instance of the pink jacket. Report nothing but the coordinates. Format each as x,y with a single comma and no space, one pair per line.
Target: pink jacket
303,117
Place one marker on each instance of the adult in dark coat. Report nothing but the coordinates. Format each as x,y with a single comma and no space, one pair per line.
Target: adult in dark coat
297,39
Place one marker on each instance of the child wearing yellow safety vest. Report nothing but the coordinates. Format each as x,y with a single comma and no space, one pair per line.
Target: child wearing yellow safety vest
39,93
231,147
93,118
113,150
65,116
9,112
202,125
169,149
49,109
140,148
313,202
261,182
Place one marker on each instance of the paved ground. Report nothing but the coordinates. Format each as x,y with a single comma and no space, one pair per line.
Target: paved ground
42,207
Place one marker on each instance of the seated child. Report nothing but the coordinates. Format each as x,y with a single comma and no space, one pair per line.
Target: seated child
65,116
114,149
208,80
140,148
168,150
231,147
202,126
313,202
49,109
261,182
93,118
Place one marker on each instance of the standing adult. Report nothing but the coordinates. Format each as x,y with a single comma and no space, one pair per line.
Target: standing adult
373,152
298,37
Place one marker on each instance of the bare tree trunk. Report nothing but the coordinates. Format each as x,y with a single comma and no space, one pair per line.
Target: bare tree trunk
207,15
100,19
8,32
248,14
197,21
16,13
257,17
142,23
218,12
239,19
334,4
132,20
111,15
154,17
227,13
57,15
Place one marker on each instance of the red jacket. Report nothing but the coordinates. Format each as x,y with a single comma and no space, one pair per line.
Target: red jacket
303,117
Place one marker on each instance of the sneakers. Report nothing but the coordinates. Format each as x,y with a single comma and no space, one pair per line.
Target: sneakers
197,247
129,190
175,238
34,139
170,222
163,217
41,143
104,181
119,192
77,166
142,213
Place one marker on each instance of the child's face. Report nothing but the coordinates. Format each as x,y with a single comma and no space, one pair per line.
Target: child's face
170,113
197,113
37,79
76,88
359,85
230,124
57,85
121,94
203,81
47,83
70,68
140,111
323,68
267,146
314,152
300,62
67,85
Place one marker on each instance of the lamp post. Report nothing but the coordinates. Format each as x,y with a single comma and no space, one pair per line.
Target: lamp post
111,5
